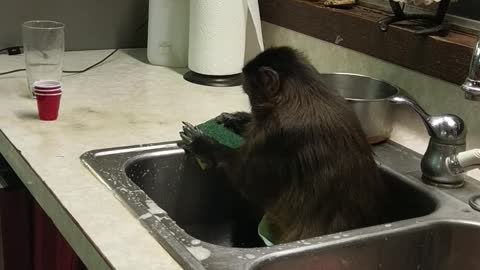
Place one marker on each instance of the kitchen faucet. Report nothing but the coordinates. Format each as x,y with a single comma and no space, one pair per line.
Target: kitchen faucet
472,83
445,160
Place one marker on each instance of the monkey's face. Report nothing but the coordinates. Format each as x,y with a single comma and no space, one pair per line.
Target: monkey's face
264,75
261,84
249,89
246,84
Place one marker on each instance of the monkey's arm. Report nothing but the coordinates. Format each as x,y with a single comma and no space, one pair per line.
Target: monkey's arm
236,122
208,150
258,175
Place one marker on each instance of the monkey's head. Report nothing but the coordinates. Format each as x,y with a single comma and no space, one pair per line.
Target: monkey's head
268,76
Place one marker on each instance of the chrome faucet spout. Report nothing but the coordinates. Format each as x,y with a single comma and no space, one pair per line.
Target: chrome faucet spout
472,83
445,129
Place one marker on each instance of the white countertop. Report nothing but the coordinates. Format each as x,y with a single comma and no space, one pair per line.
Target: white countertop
122,102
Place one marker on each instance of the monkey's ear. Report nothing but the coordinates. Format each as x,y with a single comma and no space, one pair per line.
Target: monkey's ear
270,81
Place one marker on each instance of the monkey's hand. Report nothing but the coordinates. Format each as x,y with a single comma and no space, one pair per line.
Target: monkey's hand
236,122
196,142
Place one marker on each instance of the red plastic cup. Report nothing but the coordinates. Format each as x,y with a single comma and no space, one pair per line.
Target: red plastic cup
47,87
55,91
48,105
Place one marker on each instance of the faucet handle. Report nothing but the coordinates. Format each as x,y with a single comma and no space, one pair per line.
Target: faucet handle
472,89
469,160
447,129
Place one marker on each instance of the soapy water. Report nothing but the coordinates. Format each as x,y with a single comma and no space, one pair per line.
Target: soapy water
145,216
247,256
250,256
199,252
154,208
195,242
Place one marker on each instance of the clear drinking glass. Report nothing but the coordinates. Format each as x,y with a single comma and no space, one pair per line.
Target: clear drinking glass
44,46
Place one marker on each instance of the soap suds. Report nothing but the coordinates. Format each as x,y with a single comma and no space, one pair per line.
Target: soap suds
153,208
199,252
145,216
250,256
195,242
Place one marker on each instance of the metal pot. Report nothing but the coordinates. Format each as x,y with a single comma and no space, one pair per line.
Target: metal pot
371,100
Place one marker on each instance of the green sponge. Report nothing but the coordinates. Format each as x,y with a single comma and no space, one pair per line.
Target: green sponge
221,134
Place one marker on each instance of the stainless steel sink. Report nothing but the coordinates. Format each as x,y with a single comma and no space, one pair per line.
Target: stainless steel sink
440,246
204,225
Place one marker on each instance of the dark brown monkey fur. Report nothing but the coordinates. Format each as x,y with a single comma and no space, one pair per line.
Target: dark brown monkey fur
306,161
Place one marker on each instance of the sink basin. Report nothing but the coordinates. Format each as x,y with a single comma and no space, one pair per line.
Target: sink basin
208,210
200,203
446,246
204,225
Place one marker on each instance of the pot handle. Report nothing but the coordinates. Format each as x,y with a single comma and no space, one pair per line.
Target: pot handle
446,128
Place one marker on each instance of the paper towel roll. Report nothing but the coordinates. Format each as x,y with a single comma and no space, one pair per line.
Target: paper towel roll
217,36
257,22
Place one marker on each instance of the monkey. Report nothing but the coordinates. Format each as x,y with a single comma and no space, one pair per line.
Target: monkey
306,161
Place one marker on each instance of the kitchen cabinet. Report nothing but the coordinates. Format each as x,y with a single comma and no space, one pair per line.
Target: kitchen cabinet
28,237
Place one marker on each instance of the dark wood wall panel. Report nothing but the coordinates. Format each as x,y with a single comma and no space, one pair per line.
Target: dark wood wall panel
447,58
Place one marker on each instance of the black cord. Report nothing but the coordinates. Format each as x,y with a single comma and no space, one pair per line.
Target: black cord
92,66
12,71
68,71
12,50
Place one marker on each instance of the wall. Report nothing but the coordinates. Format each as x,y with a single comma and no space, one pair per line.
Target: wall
434,95
90,24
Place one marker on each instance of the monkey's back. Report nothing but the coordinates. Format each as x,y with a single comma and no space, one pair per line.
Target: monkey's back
330,178
306,160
